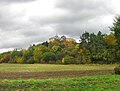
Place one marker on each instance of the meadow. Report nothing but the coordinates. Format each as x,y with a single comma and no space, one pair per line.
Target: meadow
52,67
50,77
87,83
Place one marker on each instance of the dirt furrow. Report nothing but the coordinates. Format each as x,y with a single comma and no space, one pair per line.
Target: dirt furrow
54,74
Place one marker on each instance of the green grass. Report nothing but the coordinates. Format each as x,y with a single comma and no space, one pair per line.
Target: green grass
50,67
91,83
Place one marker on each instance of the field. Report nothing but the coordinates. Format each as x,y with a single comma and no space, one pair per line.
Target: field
38,71
49,77
95,83
51,67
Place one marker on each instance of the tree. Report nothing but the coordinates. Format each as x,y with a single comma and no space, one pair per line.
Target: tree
108,56
110,40
94,43
69,43
14,55
45,44
60,55
84,40
27,54
38,52
116,29
49,56
19,60
84,56
56,48
5,57
68,60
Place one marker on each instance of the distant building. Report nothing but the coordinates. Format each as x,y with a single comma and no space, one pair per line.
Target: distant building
54,38
62,38
70,39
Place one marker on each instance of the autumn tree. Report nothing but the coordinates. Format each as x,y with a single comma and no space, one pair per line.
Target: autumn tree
55,49
5,57
38,52
110,40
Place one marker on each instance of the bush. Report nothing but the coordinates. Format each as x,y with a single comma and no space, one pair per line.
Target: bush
68,60
117,70
30,61
19,60
49,56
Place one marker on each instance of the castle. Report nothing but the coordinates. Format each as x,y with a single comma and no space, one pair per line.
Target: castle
62,38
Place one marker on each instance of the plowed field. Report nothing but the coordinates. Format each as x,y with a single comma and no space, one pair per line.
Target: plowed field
52,74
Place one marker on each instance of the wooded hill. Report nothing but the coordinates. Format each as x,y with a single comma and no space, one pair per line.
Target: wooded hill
93,48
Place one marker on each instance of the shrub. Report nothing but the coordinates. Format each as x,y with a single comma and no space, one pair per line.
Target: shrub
68,60
117,70
58,62
19,60
48,56
30,61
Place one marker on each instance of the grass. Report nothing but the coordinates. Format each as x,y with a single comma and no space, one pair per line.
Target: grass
88,83
51,67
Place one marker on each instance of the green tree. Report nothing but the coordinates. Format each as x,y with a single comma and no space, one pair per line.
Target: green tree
116,29
84,40
49,56
5,57
14,55
27,54
38,52
68,60
109,56
84,56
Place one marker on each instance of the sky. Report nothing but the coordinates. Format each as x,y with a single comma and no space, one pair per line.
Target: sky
25,22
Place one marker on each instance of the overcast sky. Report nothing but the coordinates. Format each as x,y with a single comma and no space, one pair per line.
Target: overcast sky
24,22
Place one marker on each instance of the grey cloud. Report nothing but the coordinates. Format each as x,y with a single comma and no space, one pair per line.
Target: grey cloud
76,29
77,10
83,11
66,18
34,31
14,1
77,16
9,20
20,41
80,5
70,17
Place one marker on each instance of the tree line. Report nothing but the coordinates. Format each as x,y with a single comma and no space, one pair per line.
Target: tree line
93,48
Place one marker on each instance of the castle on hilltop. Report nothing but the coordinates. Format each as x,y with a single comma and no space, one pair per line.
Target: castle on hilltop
62,38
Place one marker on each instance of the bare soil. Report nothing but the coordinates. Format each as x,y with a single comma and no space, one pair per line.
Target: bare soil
54,74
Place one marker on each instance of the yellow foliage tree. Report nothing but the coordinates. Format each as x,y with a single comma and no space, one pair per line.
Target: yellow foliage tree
63,60
111,40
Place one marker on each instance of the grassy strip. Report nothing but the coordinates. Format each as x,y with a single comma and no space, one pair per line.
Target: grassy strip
91,83
51,67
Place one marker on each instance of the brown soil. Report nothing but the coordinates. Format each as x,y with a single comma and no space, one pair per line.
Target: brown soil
55,74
